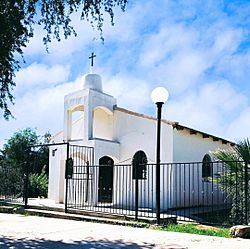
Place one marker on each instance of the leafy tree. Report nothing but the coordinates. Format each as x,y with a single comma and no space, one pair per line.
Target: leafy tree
15,150
17,20
13,163
11,181
233,177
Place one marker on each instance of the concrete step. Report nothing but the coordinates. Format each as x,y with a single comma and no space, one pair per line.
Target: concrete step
6,209
48,208
70,216
84,215
93,213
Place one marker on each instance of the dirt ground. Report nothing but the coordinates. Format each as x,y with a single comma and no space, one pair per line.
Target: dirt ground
18,231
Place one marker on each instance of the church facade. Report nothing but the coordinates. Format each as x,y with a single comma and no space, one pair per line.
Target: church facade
118,136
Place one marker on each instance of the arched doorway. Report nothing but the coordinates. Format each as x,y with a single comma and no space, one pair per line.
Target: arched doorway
105,185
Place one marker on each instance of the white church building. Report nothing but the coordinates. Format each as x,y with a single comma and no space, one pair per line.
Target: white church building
116,136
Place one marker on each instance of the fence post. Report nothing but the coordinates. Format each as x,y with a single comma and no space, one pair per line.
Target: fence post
66,178
158,167
246,192
87,183
26,180
136,195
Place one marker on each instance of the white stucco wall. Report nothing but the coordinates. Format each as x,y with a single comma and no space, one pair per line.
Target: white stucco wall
138,133
192,147
187,186
56,188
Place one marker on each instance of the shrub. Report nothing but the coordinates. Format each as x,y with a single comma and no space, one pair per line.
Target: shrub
38,185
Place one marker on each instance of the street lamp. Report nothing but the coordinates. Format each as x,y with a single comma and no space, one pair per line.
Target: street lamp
159,96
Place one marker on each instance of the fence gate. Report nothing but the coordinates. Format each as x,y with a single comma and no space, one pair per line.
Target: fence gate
78,175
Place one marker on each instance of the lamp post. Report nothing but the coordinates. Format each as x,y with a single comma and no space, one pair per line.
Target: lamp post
159,96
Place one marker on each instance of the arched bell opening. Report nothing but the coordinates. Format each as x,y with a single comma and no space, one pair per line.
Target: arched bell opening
102,123
75,122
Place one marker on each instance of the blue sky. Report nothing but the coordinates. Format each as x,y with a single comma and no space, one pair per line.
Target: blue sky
198,50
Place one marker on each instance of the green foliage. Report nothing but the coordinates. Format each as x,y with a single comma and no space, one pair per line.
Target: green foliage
40,160
38,185
15,164
14,34
11,181
15,150
17,20
233,178
198,229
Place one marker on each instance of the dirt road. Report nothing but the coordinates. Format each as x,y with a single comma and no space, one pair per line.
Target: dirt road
17,231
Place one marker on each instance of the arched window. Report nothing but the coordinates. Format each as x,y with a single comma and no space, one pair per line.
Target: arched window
139,164
207,167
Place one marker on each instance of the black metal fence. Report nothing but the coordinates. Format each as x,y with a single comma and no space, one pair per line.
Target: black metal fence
12,183
26,177
214,193
21,179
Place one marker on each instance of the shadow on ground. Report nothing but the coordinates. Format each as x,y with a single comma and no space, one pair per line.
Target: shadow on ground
85,244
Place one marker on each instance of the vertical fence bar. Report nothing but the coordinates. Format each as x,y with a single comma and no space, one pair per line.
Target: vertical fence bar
136,192
246,192
242,191
87,183
66,188
26,180
212,184
236,180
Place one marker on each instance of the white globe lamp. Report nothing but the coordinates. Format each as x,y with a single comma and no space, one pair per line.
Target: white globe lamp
159,95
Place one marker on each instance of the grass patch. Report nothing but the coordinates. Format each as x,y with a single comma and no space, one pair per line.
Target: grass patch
198,229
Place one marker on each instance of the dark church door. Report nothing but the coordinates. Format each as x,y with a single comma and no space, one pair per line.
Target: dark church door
105,187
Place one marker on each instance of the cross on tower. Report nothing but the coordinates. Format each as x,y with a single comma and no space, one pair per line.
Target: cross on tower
92,59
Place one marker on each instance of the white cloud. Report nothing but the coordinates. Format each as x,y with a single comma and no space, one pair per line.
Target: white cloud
210,109
40,76
59,52
35,46
181,54
183,71
226,40
239,128
128,24
131,93
166,43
